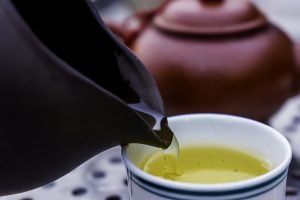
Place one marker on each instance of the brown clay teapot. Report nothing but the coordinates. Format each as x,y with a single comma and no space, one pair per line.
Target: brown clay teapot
220,56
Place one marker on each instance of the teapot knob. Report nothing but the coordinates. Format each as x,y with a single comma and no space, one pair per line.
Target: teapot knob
207,2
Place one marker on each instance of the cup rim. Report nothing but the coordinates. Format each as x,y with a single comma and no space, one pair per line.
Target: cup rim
276,172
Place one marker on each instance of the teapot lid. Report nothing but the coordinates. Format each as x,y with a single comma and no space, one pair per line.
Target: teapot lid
209,16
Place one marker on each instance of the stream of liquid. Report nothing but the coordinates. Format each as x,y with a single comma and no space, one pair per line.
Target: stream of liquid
171,157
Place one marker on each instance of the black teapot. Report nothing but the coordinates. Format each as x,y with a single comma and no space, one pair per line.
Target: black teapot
69,90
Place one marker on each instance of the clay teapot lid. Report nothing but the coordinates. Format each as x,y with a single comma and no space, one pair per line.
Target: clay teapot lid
209,16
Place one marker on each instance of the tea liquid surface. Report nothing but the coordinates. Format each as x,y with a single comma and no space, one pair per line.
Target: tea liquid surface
206,165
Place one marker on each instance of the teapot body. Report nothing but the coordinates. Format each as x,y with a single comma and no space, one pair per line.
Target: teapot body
220,56
248,74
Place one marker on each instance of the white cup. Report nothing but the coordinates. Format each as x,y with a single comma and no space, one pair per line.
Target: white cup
235,132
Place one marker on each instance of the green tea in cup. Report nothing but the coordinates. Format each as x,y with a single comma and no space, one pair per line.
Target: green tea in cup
221,157
206,164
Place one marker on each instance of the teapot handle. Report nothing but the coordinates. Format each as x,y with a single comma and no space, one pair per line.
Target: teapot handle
133,25
297,56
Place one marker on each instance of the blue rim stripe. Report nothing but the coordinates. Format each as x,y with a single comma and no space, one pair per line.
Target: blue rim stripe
196,197
199,198
278,179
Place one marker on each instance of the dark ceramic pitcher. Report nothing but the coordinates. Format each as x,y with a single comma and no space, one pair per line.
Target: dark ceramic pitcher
68,91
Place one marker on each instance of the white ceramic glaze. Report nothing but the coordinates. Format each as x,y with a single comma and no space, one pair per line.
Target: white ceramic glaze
215,129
